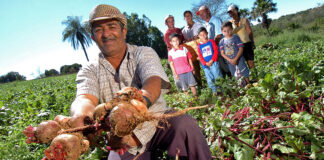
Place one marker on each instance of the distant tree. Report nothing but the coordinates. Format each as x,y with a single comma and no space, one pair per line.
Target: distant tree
245,13
260,9
12,76
51,72
68,69
76,33
216,7
141,32
157,42
137,30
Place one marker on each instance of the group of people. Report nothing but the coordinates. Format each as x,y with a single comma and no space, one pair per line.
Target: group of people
120,65
219,48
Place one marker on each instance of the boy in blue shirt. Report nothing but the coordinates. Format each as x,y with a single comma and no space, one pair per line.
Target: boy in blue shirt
231,48
208,55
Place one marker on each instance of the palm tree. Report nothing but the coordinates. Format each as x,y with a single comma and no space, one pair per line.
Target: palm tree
260,9
76,33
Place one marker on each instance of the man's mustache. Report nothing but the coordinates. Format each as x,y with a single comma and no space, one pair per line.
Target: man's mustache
108,39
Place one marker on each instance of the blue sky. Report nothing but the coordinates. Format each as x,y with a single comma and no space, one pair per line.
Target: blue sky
31,30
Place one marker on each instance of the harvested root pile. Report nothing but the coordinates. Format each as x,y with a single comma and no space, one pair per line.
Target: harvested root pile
118,117
63,146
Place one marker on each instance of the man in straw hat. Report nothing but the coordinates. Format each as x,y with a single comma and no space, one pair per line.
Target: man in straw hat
122,65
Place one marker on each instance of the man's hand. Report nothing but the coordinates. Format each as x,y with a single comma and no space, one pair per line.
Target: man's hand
121,145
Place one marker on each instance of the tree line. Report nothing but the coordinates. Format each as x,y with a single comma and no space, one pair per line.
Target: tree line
66,69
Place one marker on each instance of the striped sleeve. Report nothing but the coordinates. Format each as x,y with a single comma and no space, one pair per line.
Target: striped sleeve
238,41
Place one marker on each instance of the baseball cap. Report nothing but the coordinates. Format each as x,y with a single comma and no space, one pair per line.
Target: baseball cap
201,8
231,7
104,11
168,16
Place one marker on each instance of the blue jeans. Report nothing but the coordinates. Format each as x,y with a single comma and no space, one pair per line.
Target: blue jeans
212,73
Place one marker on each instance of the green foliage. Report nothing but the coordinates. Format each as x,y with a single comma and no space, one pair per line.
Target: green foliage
141,32
288,99
310,20
68,69
12,76
51,72
293,25
29,103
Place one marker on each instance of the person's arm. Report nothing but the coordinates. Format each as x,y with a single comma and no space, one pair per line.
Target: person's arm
218,30
192,66
152,88
189,56
249,31
215,48
239,54
166,41
239,44
173,70
201,58
83,106
225,57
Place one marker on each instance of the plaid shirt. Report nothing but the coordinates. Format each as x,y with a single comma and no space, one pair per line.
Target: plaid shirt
100,79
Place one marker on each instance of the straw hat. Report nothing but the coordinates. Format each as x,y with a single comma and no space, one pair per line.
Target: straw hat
104,11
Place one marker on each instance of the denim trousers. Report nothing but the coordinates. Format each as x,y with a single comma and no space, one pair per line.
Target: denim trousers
212,73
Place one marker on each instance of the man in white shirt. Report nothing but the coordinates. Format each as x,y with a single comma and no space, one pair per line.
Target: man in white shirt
213,26
212,23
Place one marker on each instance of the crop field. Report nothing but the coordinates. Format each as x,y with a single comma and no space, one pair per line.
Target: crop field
278,117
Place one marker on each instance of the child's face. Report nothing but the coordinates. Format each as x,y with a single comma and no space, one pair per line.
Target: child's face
203,36
227,31
175,42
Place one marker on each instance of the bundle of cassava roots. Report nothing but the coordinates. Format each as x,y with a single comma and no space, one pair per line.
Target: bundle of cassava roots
116,118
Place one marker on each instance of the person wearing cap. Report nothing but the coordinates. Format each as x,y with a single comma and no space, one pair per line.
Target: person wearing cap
212,23
169,22
120,65
190,34
241,27
213,26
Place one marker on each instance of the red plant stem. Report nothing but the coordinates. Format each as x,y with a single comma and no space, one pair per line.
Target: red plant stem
219,144
269,129
225,112
246,144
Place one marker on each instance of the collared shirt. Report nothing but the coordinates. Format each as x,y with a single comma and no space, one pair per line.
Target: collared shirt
213,27
189,33
180,57
168,33
100,79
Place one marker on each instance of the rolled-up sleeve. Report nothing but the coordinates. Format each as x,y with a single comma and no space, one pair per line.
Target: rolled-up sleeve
149,65
87,81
